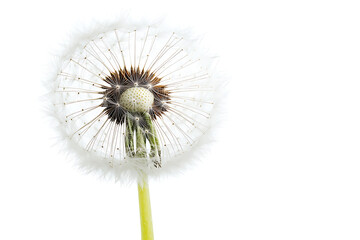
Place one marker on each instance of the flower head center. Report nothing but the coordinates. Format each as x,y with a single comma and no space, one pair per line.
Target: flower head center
136,99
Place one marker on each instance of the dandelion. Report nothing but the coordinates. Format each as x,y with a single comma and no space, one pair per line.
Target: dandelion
134,102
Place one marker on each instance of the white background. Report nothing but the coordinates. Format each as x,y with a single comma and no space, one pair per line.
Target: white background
287,162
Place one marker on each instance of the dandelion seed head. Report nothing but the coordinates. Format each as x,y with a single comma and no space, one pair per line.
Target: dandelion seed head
117,84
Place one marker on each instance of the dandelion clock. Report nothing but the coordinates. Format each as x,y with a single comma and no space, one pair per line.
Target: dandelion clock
133,102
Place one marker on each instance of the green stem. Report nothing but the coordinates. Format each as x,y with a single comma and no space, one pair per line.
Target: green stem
139,151
145,211
143,188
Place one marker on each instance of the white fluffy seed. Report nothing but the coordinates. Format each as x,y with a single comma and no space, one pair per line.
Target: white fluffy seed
137,99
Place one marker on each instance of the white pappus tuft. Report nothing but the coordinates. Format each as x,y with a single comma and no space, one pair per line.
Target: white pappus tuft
137,99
